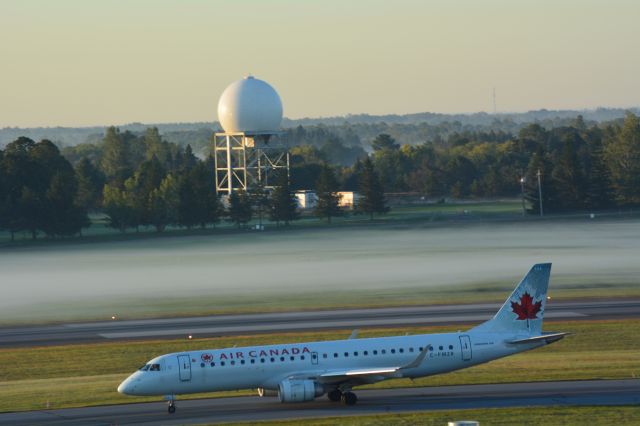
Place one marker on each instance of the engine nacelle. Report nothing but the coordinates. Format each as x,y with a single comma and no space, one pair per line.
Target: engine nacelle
262,392
299,390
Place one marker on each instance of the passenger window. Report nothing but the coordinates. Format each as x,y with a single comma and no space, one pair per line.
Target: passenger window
335,355
273,360
440,348
355,353
346,354
213,364
302,358
242,361
233,363
393,351
281,359
450,347
384,351
222,363
375,352
292,358
420,348
324,356
410,349
262,360
253,361
202,364
365,353
401,350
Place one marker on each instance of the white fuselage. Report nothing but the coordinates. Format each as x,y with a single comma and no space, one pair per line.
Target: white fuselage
267,366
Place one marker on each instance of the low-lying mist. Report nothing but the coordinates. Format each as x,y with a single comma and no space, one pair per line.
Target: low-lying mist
314,261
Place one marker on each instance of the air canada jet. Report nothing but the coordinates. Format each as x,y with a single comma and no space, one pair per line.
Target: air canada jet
304,371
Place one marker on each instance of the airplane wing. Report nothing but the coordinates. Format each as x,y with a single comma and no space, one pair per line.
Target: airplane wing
373,374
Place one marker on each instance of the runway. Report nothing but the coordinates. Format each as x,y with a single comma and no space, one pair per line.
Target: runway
248,409
219,325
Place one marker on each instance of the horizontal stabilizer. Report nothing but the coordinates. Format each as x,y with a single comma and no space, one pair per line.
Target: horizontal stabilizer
547,338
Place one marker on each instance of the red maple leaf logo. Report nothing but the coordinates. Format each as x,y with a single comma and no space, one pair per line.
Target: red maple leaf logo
526,309
206,357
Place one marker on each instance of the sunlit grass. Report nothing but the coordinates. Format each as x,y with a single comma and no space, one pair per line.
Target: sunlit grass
529,416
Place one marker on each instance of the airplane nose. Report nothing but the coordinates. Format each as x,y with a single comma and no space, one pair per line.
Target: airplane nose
126,387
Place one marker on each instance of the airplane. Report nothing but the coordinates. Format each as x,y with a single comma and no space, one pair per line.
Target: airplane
304,371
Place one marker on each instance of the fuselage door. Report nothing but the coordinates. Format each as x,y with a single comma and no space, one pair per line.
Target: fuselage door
314,358
465,344
184,367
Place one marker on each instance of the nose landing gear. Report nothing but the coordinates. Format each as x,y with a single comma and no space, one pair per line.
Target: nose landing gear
171,407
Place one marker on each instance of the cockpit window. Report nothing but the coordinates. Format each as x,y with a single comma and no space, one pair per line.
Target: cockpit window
154,367
145,367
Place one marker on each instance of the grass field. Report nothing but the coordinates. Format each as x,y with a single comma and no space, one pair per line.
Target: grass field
530,416
74,376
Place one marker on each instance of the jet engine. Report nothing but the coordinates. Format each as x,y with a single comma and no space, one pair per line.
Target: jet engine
299,390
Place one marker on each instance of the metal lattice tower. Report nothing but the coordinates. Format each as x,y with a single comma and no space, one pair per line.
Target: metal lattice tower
243,159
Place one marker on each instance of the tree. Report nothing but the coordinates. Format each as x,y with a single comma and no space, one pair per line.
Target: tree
164,204
328,205
64,216
284,205
115,161
383,141
146,179
568,178
598,192
622,154
239,210
539,164
39,190
90,184
119,208
260,200
370,190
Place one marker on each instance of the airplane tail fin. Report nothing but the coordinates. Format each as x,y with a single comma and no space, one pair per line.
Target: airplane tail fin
523,311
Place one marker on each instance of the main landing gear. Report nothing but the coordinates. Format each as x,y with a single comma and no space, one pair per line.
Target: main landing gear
347,398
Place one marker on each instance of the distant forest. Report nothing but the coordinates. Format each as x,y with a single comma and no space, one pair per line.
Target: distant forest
162,175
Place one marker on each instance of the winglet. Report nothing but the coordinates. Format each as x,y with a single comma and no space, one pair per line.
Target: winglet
354,334
416,362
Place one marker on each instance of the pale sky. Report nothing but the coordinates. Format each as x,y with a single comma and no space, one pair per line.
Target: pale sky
96,62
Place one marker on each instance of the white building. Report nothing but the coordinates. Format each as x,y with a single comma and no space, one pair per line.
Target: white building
307,199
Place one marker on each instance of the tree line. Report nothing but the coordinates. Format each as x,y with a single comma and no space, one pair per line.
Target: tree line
136,180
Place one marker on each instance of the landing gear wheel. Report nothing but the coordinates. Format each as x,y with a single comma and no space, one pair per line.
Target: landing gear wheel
171,408
334,395
349,398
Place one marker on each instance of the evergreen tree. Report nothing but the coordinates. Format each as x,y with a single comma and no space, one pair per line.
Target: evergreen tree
164,204
260,200
284,205
539,164
623,159
64,216
115,161
90,184
146,179
568,178
598,193
327,193
119,208
370,191
239,211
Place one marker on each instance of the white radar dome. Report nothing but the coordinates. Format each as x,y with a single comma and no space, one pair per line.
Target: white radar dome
249,105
